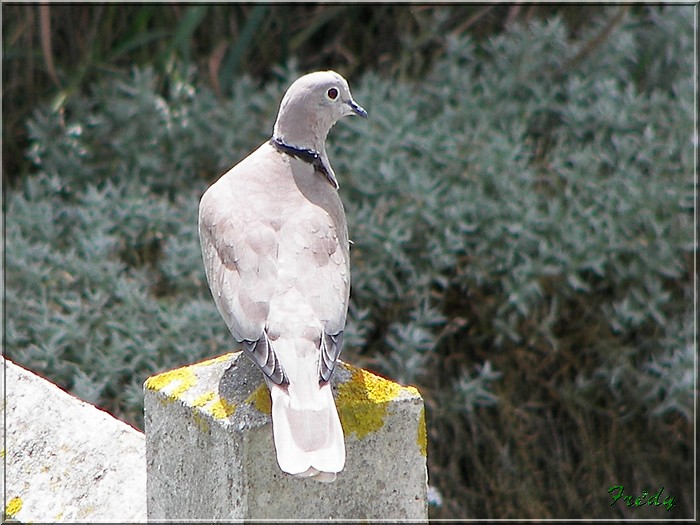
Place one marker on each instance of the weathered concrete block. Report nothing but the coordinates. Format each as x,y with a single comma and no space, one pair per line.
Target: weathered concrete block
67,460
210,454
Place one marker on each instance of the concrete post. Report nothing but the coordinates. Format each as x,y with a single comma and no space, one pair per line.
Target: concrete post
210,454
65,459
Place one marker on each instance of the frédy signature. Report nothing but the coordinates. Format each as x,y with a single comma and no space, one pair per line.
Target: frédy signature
618,490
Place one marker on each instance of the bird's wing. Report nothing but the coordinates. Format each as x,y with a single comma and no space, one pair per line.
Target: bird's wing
239,249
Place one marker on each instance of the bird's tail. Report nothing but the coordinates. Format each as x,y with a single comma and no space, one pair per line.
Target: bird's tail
306,428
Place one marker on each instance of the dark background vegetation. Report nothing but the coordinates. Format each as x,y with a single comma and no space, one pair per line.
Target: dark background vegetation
52,51
521,202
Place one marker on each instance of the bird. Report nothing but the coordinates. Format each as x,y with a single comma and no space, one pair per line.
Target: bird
275,247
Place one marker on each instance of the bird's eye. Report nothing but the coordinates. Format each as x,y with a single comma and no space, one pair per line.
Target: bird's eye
332,93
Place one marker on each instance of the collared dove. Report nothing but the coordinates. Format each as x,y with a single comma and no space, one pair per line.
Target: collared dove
276,255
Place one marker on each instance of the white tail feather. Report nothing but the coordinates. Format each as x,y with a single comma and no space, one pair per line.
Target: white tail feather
307,433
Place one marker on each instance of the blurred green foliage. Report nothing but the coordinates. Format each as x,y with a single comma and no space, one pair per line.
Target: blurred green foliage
522,218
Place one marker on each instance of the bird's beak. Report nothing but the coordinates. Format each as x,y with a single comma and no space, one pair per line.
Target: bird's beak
356,108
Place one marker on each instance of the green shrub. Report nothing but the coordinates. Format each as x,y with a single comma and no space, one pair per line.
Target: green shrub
523,245
537,222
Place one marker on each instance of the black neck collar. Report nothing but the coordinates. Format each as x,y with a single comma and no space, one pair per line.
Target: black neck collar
308,155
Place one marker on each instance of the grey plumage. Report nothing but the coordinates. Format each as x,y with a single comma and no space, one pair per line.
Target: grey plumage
276,255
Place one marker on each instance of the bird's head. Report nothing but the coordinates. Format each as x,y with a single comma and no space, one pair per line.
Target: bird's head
311,106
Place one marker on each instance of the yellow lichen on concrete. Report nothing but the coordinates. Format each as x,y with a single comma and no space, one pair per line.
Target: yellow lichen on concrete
412,389
214,405
220,408
184,377
261,399
363,401
13,507
205,398
422,438
201,422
